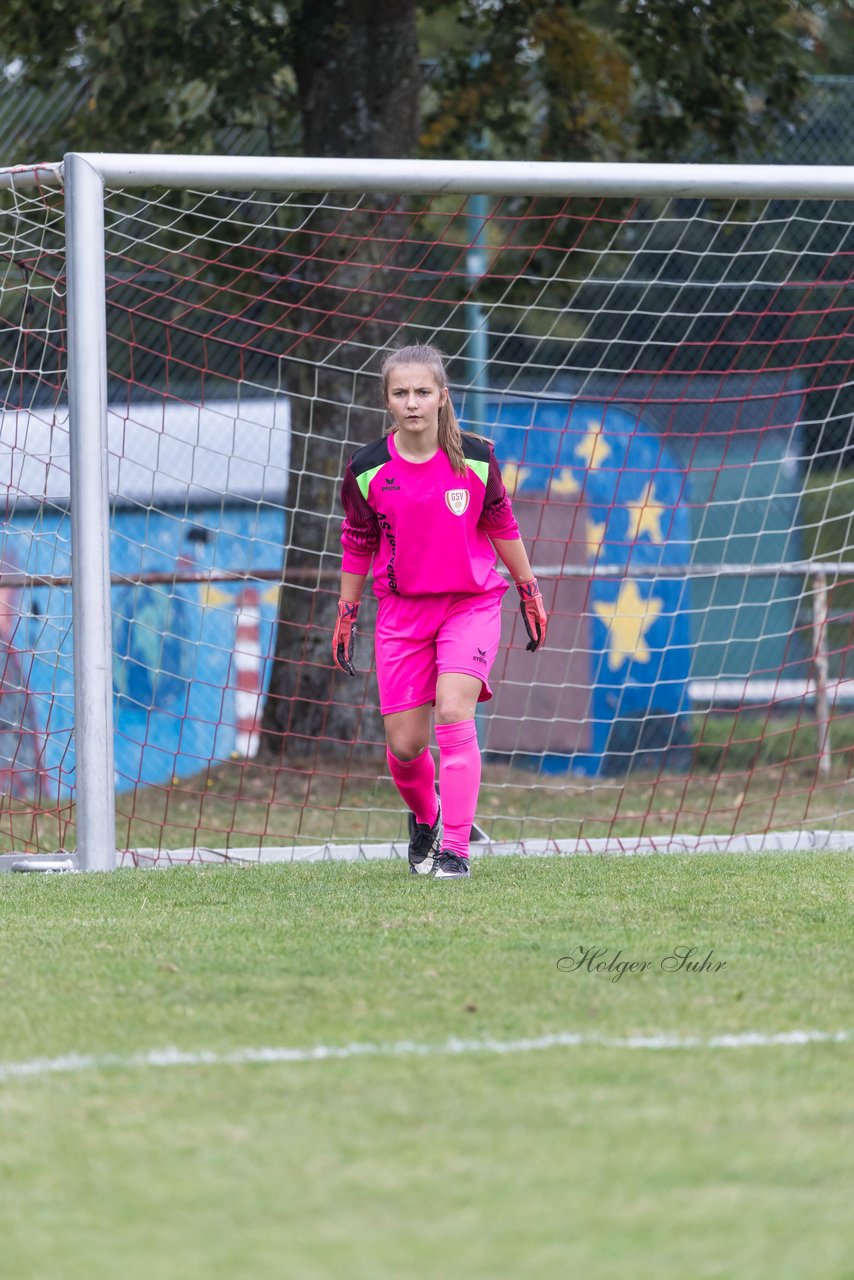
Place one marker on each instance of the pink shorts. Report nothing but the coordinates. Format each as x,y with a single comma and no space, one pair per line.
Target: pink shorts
420,638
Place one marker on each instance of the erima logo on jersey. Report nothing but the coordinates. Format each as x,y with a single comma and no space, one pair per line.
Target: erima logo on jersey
457,500
389,484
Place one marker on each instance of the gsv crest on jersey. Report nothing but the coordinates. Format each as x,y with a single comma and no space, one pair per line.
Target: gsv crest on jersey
457,500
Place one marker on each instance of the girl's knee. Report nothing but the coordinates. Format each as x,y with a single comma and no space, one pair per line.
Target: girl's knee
456,698
408,732
453,709
406,747
452,713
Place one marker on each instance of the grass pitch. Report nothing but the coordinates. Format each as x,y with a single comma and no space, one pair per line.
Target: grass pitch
595,1160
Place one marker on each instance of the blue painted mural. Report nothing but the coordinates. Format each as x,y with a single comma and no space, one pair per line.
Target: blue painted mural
633,495
198,494
173,641
173,644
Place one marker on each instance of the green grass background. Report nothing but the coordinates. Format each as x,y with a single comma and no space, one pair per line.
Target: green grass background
592,1162
601,1162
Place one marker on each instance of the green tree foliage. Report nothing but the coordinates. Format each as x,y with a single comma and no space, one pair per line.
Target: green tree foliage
832,38
341,76
159,74
545,79
533,79
605,79
719,70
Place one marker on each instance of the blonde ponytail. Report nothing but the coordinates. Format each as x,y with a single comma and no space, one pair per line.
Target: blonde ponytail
451,438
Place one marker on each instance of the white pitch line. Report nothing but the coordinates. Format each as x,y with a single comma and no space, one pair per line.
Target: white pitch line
73,1062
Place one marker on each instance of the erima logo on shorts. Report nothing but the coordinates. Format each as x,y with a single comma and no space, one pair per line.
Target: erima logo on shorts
457,500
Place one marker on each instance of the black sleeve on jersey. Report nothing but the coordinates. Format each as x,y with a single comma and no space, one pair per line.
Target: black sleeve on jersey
361,528
497,508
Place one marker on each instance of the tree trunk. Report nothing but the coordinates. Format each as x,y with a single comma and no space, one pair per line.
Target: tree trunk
357,68
359,77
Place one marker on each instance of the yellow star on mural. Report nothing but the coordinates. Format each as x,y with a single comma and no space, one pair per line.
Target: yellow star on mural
628,618
593,449
595,537
565,482
514,477
645,516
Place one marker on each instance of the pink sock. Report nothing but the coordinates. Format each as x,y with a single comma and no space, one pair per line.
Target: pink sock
416,782
459,782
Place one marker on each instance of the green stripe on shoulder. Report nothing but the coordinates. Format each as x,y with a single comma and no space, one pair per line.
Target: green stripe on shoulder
476,454
367,461
481,469
364,480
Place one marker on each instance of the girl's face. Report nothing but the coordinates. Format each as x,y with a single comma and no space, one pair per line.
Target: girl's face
414,399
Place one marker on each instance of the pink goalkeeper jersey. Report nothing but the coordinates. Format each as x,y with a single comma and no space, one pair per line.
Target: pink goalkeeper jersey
427,530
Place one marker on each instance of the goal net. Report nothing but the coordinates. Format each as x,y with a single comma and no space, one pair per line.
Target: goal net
667,378
36,687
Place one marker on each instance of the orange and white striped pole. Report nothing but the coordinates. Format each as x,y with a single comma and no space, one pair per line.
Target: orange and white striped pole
246,672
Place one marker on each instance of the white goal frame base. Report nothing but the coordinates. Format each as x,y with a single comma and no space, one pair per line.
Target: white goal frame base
823,841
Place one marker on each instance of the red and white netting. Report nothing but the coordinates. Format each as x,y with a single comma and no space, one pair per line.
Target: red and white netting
668,383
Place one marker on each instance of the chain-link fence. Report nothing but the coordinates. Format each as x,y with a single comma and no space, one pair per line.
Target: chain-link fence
822,133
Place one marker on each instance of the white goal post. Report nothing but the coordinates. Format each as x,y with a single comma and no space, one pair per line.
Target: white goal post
84,176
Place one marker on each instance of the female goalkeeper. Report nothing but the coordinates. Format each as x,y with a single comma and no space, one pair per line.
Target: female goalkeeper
426,506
